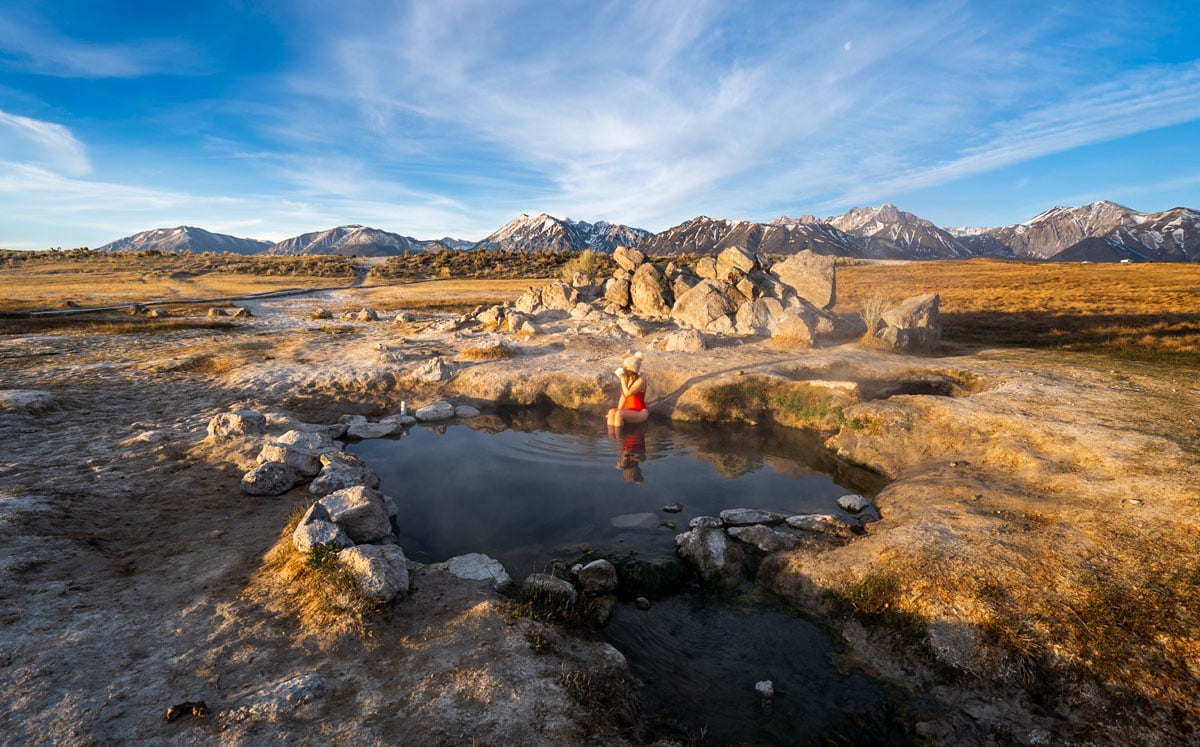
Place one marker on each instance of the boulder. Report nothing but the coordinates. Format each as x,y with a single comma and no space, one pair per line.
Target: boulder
628,259
559,296
270,478
795,327
340,470
734,517
491,317
530,301
318,440
632,327
810,276
703,306
360,511
616,292
306,462
550,590
39,400
735,261
466,411
706,522
716,559
824,524
320,313
372,430
432,370
598,577
440,410
366,314
649,291
238,423
684,341
765,538
914,324
759,317
682,283
242,312
854,503
380,570
317,529
475,567
706,267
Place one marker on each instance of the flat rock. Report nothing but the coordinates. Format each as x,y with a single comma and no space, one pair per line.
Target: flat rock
372,430
853,503
466,411
440,410
340,470
733,517
270,478
280,699
823,523
306,462
706,522
475,567
238,423
765,538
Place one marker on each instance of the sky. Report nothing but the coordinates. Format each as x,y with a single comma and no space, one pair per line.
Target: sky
272,118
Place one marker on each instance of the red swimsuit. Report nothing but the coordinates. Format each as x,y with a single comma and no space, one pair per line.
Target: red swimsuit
635,402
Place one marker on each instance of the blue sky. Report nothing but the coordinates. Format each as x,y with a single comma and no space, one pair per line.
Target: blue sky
450,117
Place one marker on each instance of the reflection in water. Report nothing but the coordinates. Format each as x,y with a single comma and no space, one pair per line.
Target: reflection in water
633,450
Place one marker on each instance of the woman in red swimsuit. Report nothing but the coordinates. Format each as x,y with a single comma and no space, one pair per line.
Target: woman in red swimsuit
632,406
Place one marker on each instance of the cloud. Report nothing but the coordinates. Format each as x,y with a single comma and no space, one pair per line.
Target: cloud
34,141
31,46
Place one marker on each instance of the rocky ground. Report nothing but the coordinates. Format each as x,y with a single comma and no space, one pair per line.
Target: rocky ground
1027,491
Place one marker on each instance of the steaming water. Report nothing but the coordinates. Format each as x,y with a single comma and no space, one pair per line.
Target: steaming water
527,489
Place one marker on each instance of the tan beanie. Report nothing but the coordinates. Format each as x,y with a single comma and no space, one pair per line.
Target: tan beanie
633,363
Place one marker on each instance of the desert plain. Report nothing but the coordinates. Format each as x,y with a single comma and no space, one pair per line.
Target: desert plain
1034,578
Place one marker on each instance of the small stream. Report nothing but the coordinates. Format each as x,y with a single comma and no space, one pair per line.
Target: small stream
530,488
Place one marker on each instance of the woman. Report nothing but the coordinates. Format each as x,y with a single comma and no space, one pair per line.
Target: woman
632,406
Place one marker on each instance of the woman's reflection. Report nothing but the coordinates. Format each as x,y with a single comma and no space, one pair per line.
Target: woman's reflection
633,452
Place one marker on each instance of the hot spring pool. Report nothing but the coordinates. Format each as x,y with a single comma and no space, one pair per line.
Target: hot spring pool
529,488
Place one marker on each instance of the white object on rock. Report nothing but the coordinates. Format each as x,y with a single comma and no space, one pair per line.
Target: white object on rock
765,688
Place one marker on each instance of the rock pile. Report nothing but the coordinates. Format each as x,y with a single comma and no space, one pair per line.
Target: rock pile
718,548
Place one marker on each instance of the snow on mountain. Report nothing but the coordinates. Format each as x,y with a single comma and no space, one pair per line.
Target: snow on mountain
542,232
347,241
1172,235
185,239
784,235
888,232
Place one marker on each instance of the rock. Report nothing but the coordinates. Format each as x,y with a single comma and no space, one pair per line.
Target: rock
581,311
600,608
530,301
432,370
238,423
642,603
475,567
703,306
810,276
362,512
915,324
649,291
306,462
706,267
598,577
39,400
380,570
491,317
759,317
372,430
853,503
684,341
466,411
559,296
270,478
440,410
734,517
551,590
628,259
158,313
632,328
241,312
707,522
673,508
366,314
319,313
527,328
717,560
138,308
736,261
215,311
317,440
823,523
340,470
280,699
765,688
794,326
316,529
764,538
349,420
616,292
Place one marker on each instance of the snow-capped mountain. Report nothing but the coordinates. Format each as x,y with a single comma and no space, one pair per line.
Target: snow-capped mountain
185,239
1098,232
542,232
781,236
348,240
886,232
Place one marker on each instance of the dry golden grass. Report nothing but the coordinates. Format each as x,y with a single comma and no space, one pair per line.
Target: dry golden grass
445,295
47,280
496,352
1136,311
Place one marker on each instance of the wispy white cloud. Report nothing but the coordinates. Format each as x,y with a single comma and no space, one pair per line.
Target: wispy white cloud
47,143
30,45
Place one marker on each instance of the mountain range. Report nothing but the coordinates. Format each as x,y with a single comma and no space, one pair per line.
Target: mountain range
1099,232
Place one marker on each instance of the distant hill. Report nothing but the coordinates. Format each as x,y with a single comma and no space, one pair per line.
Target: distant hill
185,239
784,236
887,232
349,241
